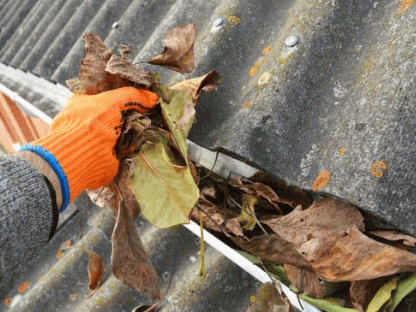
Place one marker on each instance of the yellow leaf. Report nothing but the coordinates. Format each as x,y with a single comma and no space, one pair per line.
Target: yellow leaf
382,296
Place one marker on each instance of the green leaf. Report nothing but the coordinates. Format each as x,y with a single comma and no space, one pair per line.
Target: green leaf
172,113
326,305
165,192
382,296
404,288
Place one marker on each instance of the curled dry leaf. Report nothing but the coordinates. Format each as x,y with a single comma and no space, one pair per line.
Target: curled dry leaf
130,264
324,217
92,74
124,50
305,280
273,248
367,259
64,246
122,67
95,269
194,87
395,236
178,51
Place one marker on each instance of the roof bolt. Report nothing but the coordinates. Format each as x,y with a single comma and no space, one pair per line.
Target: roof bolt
115,25
291,41
218,22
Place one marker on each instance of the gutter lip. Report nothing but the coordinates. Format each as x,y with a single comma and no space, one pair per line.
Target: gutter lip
222,165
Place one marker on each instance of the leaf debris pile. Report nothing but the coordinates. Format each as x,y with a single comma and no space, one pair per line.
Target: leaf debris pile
318,247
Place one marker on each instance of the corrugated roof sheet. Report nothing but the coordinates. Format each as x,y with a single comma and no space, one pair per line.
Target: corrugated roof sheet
341,101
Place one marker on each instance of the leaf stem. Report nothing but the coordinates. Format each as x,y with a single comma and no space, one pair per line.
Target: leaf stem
202,271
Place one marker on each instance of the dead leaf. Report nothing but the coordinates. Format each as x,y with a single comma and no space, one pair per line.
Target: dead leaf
395,236
23,287
92,74
274,248
213,217
248,216
321,180
147,307
130,264
195,87
352,256
95,269
361,292
178,51
123,50
324,217
268,299
122,67
305,280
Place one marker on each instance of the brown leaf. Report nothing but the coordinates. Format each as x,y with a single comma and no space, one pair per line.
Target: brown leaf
178,51
361,292
213,217
352,256
324,217
122,67
274,248
395,236
92,75
130,263
95,269
196,86
305,280
124,50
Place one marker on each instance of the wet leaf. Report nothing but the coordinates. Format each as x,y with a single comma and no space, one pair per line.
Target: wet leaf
361,292
122,67
324,217
395,236
130,264
325,304
305,280
178,51
274,248
95,269
93,77
382,296
367,259
268,299
166,192
404,288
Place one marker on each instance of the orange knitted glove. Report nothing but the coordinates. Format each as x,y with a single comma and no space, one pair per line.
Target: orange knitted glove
83,135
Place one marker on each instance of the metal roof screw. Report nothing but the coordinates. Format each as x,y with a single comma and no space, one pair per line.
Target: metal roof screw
291,41
115,25
218,22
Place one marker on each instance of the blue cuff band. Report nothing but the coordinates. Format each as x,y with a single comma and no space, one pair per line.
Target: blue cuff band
63,181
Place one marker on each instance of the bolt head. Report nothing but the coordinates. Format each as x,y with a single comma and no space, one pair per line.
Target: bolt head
115,25
218,22
291,41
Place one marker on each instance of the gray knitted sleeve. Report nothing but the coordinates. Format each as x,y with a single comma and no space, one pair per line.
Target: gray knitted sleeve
26,217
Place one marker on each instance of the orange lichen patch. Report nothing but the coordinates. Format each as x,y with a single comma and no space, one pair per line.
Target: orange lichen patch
321,180
23,287
405,4
378,168
257,64
246,105
234,19
267,49
7,301
342,151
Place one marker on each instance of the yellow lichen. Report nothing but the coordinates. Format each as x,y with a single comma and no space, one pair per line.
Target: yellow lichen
321,180
342,151
265,78
378,168
234,19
